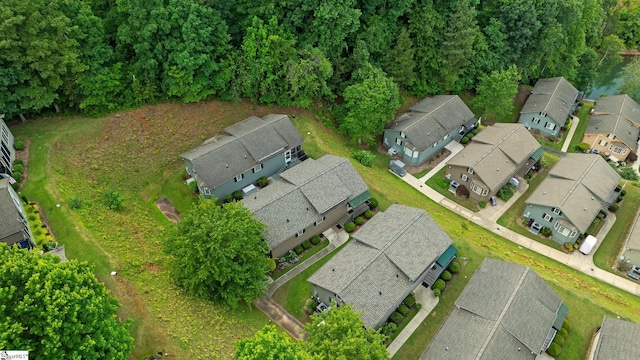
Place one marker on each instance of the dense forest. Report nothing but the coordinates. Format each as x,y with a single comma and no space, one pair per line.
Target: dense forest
96,56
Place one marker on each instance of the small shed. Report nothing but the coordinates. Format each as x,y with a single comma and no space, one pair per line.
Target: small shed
398,167
588,244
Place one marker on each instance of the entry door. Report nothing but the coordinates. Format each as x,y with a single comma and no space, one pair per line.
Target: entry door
287,156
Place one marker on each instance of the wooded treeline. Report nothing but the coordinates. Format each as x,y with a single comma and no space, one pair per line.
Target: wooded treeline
97,56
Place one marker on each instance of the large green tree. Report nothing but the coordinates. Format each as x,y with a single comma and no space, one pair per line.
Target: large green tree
399,62
57,310
495,92
459,38
426,27
369,104
631,84
218,252
271,344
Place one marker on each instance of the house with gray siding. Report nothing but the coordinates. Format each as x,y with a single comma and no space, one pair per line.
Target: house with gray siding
387,259
7,152
494,156
429,126
617,339
308,199
506,311
569,199
614,127
14,225
252,148
549,106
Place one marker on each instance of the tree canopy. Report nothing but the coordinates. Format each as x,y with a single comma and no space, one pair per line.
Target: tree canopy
496,91
218,253
57,310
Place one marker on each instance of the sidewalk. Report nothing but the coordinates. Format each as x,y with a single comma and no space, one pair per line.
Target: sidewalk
429,301
567,139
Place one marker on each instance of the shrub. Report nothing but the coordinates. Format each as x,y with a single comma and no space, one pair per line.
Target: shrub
443,183
75,202
17,176
18,162
464,140
566,325
563,332
237,195
18,167
476,131
559,339
18,144
506,192
315,240
24,198
271,264
614,207
446,276
623,192
439,285
388,329
262,181
403,309
298,249
569,247
193,186
554,349
409,301
112,199
15,186
482,204
359,220
545,231
368,214
552,139
436,292
454,268
462,191
373,203
306,244
632,157
396,318
349,227
48,246
629,174
364,157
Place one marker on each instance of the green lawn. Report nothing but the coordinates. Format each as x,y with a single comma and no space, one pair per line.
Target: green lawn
437,183
584,117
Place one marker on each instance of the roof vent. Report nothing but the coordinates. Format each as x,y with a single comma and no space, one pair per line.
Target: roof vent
380,292
333,269
287,220
498,169
585,209
397,276
226,165
446,348
245,156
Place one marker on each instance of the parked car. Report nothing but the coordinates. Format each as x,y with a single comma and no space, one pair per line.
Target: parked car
634,273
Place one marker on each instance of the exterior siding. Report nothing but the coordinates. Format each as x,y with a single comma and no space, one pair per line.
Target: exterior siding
7,152
456,173
526,119
596,141
536,212
391,137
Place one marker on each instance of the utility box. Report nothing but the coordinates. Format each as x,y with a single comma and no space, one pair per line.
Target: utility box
398,167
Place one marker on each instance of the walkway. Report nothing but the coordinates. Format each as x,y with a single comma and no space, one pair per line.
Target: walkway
429,301
455,147
567,139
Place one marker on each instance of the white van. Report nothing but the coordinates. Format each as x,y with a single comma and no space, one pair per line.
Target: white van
588,244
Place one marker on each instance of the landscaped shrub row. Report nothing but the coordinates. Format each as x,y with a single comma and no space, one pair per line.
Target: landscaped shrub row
558,341
368,214
293,256
398,316
410,301
349,227
373,203
359,221
454,268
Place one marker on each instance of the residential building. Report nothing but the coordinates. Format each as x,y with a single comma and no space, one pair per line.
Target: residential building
430,125
549,106
571,196
252,148
389,256
7,151
308,199
506,311
614,127
494,156
616,339
14,226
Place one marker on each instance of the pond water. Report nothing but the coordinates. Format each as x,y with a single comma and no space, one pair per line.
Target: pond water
609,83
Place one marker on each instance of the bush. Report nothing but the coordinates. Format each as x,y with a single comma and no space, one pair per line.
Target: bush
446,276
623,192
237,195
359,220
75,202
18,144
563,332
368,214
15,186
24,198
506,192
396,318
193,186
476,131
403,309
482,204
464,140
566,325
18,162
48,246
112,199
18,167
443,183
306,244
545,231
409,301
349,227
298,249
439,285
315,240
17,176
271,264
454,268
552,139
554,349
614,207
388,329
364,157
262,181
559,339
373,203
629,174
632,157
436,292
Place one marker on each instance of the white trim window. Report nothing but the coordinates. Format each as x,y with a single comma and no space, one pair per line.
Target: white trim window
547,217
602,143
611,136
556,211
618,150
536,120
403,135
445,137
398,141
320,220
435,144
550,126
485,192
573,234
476,189
464,177
470,170
299,233
238,178
415,154
258,168
542,113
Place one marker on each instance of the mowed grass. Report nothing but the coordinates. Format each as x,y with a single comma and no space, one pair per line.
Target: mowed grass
584,117
582,293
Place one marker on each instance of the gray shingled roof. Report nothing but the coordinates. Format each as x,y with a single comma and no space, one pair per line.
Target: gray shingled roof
618,115
10,226
432,118
250,142
577,185
618,340
505,312
496,152
388,254
555,96
302,193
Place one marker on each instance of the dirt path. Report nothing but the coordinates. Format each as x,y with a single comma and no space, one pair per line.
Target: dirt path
167,208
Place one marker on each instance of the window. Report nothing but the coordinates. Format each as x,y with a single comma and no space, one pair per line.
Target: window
573,234
464,177
602,143
398,141
556,211
485,192
403,135
611,136
415,154
476,189
536,120
257,168
542,113
320,219
299,233
563,231
435,144
408,151
547,217
550,126
446,136
617,150
470,170
239,177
